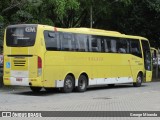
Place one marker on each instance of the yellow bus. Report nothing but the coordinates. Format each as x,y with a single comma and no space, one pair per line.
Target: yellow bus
155,62
155,55
41,56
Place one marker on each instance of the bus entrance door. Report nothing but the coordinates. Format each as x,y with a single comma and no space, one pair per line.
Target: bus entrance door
148,66
147,60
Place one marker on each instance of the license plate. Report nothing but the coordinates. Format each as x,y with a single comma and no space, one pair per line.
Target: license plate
19,79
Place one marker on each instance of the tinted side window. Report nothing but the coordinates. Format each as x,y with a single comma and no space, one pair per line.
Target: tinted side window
52,40
135,48
147,54
107,44
95,44
113,45
67,42
81,42
110,44
122,46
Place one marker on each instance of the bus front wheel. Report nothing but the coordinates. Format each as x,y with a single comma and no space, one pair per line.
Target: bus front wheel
82,84
139,80
68,84
35,89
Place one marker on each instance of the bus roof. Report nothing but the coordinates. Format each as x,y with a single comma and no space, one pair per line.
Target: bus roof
103,32
93,30
22,25
136,37
83,30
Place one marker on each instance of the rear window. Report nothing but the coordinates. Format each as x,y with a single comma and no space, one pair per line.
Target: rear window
20,36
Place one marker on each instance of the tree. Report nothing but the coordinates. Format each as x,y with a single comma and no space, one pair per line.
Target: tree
137,17
141,18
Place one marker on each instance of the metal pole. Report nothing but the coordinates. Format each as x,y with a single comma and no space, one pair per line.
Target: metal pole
91,16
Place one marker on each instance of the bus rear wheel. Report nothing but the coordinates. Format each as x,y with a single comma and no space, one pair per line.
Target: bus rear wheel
68,84
139,80
35,89
82,84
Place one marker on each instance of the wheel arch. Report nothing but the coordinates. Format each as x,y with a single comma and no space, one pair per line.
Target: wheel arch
141,73
71,74
136,74
86,75
138,80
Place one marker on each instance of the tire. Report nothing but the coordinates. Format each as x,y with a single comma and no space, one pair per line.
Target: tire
111,85
82,84
68,84
35,89
139,80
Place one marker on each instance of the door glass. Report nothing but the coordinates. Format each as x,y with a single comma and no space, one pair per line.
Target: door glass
147,55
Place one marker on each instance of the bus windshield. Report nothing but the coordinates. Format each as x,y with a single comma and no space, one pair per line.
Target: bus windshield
20,36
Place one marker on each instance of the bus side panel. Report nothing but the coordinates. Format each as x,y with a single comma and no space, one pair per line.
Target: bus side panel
59,64
53,66
114,68
52,73
99,66
120,65
104,68
136,64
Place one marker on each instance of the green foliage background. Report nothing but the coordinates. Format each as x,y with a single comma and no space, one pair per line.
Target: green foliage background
136,17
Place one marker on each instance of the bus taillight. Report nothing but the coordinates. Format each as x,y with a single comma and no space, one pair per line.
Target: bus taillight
39,66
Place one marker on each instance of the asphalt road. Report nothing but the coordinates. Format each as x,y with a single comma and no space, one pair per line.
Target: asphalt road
122,97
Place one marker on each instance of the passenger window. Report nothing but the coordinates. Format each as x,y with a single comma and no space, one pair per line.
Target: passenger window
122,46
107,45
110,44
95,44
52,40
67,42
113,45
135,48
81,42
